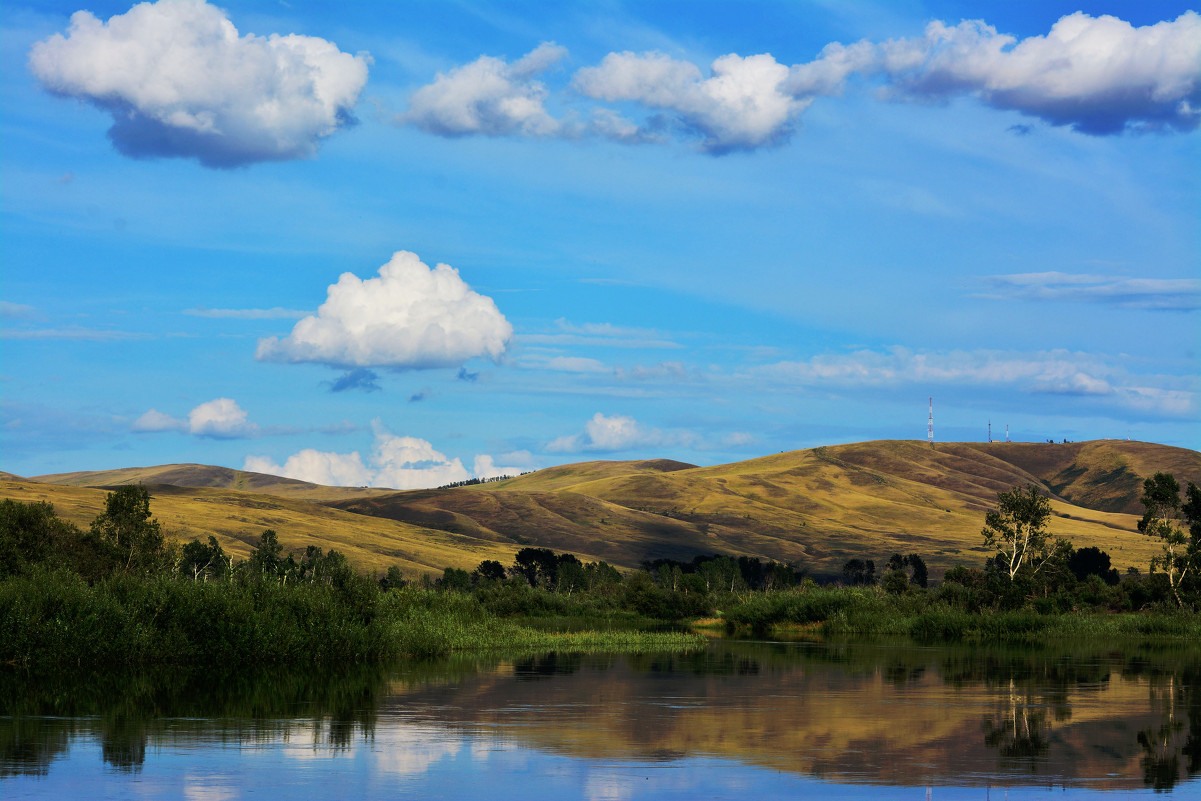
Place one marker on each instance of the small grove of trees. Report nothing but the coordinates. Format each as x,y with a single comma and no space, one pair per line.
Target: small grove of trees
718,573
901,573
121,539
535,567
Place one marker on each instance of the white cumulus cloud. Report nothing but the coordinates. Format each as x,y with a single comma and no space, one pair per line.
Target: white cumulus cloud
741,105
488,96
220,418
180,81
409,317
317,467
396,462
1100,75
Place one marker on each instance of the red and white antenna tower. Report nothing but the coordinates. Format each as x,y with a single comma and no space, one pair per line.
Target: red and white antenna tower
1007,432
930,425
990,432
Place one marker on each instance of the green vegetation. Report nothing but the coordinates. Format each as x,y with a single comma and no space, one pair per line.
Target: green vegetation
122,593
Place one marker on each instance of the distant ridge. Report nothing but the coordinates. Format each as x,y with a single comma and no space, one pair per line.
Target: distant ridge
818,506
200,475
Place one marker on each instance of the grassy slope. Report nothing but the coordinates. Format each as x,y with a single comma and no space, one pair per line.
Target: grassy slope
821,506
238,518
1102,474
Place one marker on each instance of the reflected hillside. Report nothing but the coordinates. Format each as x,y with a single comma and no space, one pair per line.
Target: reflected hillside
877,714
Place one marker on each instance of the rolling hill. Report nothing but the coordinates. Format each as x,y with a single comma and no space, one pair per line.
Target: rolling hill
819,506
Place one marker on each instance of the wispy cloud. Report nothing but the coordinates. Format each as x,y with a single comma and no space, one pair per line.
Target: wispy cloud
608,335
16,311
606,434
1160,294
276,313
85,334
614,433
359,378
1057,372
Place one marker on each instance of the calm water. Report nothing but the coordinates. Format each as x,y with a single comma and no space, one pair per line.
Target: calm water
741,720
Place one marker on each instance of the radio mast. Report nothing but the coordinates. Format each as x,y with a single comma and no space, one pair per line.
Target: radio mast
930,425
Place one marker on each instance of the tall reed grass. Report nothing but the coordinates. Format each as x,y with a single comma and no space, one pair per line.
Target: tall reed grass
54,618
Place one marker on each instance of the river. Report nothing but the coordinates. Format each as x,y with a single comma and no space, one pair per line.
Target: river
738,720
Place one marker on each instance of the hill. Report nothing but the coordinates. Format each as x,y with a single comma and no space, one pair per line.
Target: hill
237,519
819,506
200,475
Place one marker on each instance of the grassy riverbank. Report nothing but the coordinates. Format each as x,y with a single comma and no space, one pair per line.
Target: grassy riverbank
933,616
56,619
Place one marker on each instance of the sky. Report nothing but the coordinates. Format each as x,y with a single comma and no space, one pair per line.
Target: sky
410,244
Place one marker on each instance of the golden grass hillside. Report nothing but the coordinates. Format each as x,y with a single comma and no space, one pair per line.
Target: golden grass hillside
237,519
820,506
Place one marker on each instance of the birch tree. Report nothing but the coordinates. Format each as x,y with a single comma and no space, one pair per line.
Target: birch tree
1017,528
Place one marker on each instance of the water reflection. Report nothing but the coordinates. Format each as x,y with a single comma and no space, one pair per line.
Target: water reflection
888,714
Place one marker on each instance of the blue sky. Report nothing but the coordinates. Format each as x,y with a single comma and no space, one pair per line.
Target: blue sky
703,231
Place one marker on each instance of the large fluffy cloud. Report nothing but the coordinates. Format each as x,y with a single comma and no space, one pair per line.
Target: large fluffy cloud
395,461
488,96
409,317
180,81
1099,75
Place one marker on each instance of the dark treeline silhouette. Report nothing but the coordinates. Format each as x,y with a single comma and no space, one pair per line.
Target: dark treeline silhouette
471,482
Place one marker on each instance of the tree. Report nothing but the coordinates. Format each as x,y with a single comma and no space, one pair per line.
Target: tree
455,579
490,570
199,560
536,564
1164,519
569,573
392,580
920,575
859,572
126,525
30,533
265,559
1017,528
1092,561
